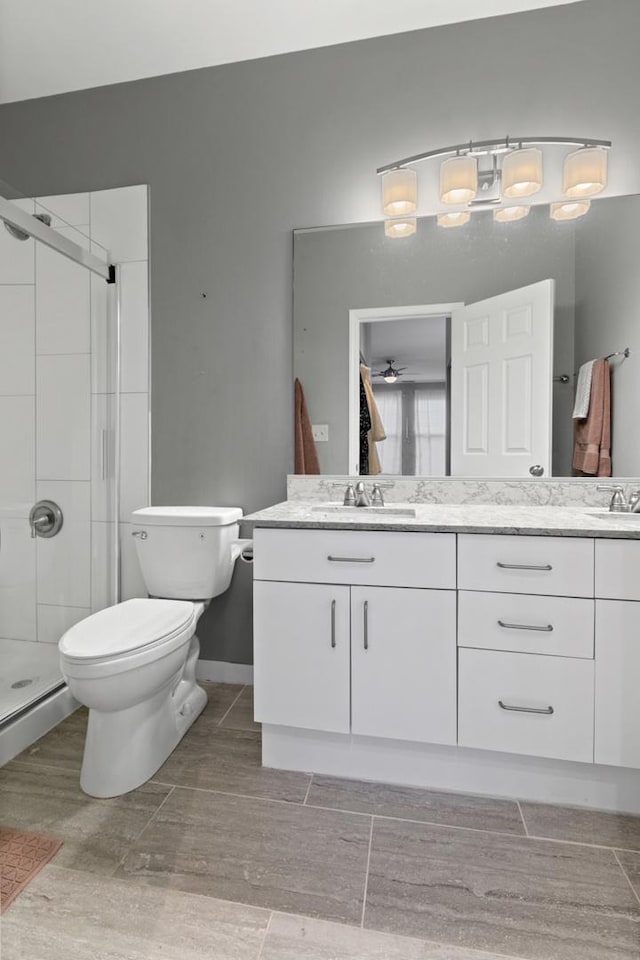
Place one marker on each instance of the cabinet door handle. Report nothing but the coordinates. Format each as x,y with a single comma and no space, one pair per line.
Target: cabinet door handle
524,566
547,711
525,626
365,615
351,559
333,623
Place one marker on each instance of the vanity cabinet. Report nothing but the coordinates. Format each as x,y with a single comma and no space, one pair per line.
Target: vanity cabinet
617,726
380,654
352,654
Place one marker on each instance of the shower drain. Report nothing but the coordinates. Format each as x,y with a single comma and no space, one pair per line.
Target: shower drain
20,683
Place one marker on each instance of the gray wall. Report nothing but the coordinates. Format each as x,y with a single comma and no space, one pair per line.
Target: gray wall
236,156
608,316
339,270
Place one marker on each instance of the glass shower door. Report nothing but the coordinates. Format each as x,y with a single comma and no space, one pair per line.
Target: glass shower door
57,444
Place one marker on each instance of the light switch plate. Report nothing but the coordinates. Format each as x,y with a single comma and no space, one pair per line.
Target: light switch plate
320,432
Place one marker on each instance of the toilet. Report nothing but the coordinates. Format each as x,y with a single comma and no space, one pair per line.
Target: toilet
134,664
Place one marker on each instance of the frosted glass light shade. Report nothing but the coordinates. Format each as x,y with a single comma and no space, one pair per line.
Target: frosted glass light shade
584,172
400,227
569,209
509,214
399,192
522,173
454,219
458,179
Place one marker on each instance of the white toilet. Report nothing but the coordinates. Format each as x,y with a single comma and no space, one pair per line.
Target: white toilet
134,664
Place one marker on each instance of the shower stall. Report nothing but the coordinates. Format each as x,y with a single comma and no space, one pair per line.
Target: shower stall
69,434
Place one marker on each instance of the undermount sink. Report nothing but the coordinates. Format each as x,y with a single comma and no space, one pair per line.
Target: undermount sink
615,515
342,510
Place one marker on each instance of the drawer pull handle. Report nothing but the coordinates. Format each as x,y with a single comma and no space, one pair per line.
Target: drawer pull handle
547,711
351,559
525,626
524,566
333,623
366,624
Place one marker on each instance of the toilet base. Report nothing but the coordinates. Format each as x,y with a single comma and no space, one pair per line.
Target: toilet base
124,748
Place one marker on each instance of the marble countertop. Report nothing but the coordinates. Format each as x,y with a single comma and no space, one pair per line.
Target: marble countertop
554,521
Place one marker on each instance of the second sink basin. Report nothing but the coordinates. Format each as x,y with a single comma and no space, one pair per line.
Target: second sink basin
341,510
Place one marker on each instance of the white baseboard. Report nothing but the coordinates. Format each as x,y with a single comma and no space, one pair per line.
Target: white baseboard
219,671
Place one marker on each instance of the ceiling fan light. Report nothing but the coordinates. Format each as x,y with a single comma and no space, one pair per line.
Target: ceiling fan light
456,218
522,173
458,179
399,192
584,172
391,379
509,214
569,209
400,227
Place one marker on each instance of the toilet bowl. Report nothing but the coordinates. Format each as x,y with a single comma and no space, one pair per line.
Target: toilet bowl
134,664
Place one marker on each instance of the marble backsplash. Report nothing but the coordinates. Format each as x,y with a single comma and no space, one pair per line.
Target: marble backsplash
550,491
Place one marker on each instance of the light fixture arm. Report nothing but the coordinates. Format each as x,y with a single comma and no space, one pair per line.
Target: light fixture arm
480,147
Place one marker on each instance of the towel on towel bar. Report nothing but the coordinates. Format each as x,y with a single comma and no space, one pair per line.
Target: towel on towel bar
592,446
583,391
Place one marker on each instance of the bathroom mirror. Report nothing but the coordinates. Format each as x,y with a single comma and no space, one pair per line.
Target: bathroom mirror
353,276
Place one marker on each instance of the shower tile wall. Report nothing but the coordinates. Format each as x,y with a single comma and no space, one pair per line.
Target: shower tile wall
57,396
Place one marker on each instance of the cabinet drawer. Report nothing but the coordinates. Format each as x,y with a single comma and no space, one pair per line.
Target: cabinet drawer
618,569
539,565
558,626
367,557
488,679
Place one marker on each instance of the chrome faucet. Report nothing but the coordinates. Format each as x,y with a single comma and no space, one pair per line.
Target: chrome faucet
362,500
620,502
376,496
349,496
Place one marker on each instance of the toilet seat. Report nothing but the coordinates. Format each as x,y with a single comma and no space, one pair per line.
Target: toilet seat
134,626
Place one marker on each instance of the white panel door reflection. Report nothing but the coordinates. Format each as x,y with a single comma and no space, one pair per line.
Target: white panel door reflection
501,384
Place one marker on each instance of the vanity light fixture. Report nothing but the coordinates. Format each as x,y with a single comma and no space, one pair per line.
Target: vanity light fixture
584,172
509,214
399,192
482,173
458,179
400,227
456,218
569,209
522,173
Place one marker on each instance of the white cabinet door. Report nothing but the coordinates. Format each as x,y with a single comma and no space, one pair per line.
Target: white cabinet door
403,666
501,364
617,683
301,655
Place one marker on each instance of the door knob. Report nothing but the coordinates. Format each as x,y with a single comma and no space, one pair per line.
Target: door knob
45,519
536,470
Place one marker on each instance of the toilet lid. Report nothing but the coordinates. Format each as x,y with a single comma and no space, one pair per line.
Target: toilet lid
125,627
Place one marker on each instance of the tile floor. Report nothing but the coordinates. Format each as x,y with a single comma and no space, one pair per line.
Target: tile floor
217,858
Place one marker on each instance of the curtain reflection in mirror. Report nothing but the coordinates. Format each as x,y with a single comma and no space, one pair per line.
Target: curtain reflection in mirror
415,419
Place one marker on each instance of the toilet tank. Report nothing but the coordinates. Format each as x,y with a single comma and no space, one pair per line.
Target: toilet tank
185,552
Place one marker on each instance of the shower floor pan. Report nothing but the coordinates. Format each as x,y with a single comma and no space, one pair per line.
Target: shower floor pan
28,672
